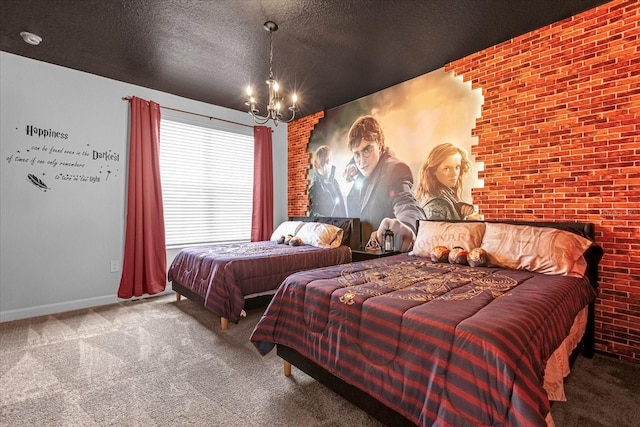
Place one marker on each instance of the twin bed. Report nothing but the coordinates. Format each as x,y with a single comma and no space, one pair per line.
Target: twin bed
224,277
418,342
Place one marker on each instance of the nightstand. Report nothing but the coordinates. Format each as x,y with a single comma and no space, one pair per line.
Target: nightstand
365,255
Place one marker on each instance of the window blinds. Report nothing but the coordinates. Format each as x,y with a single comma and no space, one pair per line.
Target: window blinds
207,184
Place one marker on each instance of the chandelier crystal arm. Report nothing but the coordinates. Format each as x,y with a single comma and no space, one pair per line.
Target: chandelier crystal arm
274,105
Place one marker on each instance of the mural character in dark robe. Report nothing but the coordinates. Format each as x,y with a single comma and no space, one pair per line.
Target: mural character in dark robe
381,195
440,184
325,196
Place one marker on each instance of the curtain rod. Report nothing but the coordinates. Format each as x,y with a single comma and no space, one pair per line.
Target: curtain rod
128,98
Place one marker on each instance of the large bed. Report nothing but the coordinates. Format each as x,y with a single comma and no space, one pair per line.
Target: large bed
224,277
418,342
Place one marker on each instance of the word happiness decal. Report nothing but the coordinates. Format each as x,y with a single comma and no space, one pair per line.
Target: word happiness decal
49,156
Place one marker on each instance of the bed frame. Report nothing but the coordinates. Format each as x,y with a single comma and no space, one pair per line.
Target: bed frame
262,299
390,417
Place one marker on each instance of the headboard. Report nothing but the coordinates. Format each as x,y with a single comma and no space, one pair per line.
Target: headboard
351,227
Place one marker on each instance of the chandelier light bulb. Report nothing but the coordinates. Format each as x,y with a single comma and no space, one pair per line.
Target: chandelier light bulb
249,91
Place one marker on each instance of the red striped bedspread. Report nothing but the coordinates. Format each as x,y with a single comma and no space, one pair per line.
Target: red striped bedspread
443,345
224,274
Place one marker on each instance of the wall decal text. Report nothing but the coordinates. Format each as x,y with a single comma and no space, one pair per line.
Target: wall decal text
52,156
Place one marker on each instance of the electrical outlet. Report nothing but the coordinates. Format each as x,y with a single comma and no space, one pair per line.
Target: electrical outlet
115,266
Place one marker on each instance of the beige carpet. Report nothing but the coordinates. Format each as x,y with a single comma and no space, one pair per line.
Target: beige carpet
158,362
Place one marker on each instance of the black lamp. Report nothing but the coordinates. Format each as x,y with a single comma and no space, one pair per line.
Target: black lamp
388,241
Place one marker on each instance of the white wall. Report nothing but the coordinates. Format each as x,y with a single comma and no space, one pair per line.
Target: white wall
57,240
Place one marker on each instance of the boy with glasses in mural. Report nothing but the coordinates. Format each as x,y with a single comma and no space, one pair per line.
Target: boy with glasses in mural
324,194
381,195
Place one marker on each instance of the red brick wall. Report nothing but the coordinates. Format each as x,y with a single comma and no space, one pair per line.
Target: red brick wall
298,135
560,140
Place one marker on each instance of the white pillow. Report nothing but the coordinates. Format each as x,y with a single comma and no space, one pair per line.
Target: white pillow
540,249
467,235
286,228
320,235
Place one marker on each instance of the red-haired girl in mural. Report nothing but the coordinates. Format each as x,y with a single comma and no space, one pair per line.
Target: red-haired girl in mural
324,194
440,183
381,195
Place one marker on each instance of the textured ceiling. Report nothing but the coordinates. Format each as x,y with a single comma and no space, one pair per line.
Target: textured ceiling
330,51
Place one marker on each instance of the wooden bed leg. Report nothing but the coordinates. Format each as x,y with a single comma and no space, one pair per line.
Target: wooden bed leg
224,323
287,369
178,296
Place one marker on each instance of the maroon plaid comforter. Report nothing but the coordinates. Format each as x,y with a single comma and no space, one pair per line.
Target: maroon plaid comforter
224,274
441,344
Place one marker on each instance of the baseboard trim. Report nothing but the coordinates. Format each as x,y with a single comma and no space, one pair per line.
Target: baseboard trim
43,310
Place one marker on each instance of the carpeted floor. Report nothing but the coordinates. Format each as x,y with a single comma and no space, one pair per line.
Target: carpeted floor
600,392
158,362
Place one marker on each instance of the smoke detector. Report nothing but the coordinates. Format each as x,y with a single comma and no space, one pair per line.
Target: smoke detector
31,38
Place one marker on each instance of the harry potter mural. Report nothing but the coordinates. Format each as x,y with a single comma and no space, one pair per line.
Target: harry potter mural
397,156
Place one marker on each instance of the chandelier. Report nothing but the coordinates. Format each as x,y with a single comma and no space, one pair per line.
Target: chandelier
275,104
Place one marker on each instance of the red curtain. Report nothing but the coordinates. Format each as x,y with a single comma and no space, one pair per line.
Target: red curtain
262,216
144,267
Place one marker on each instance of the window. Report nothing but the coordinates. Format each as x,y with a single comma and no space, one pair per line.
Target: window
207,181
